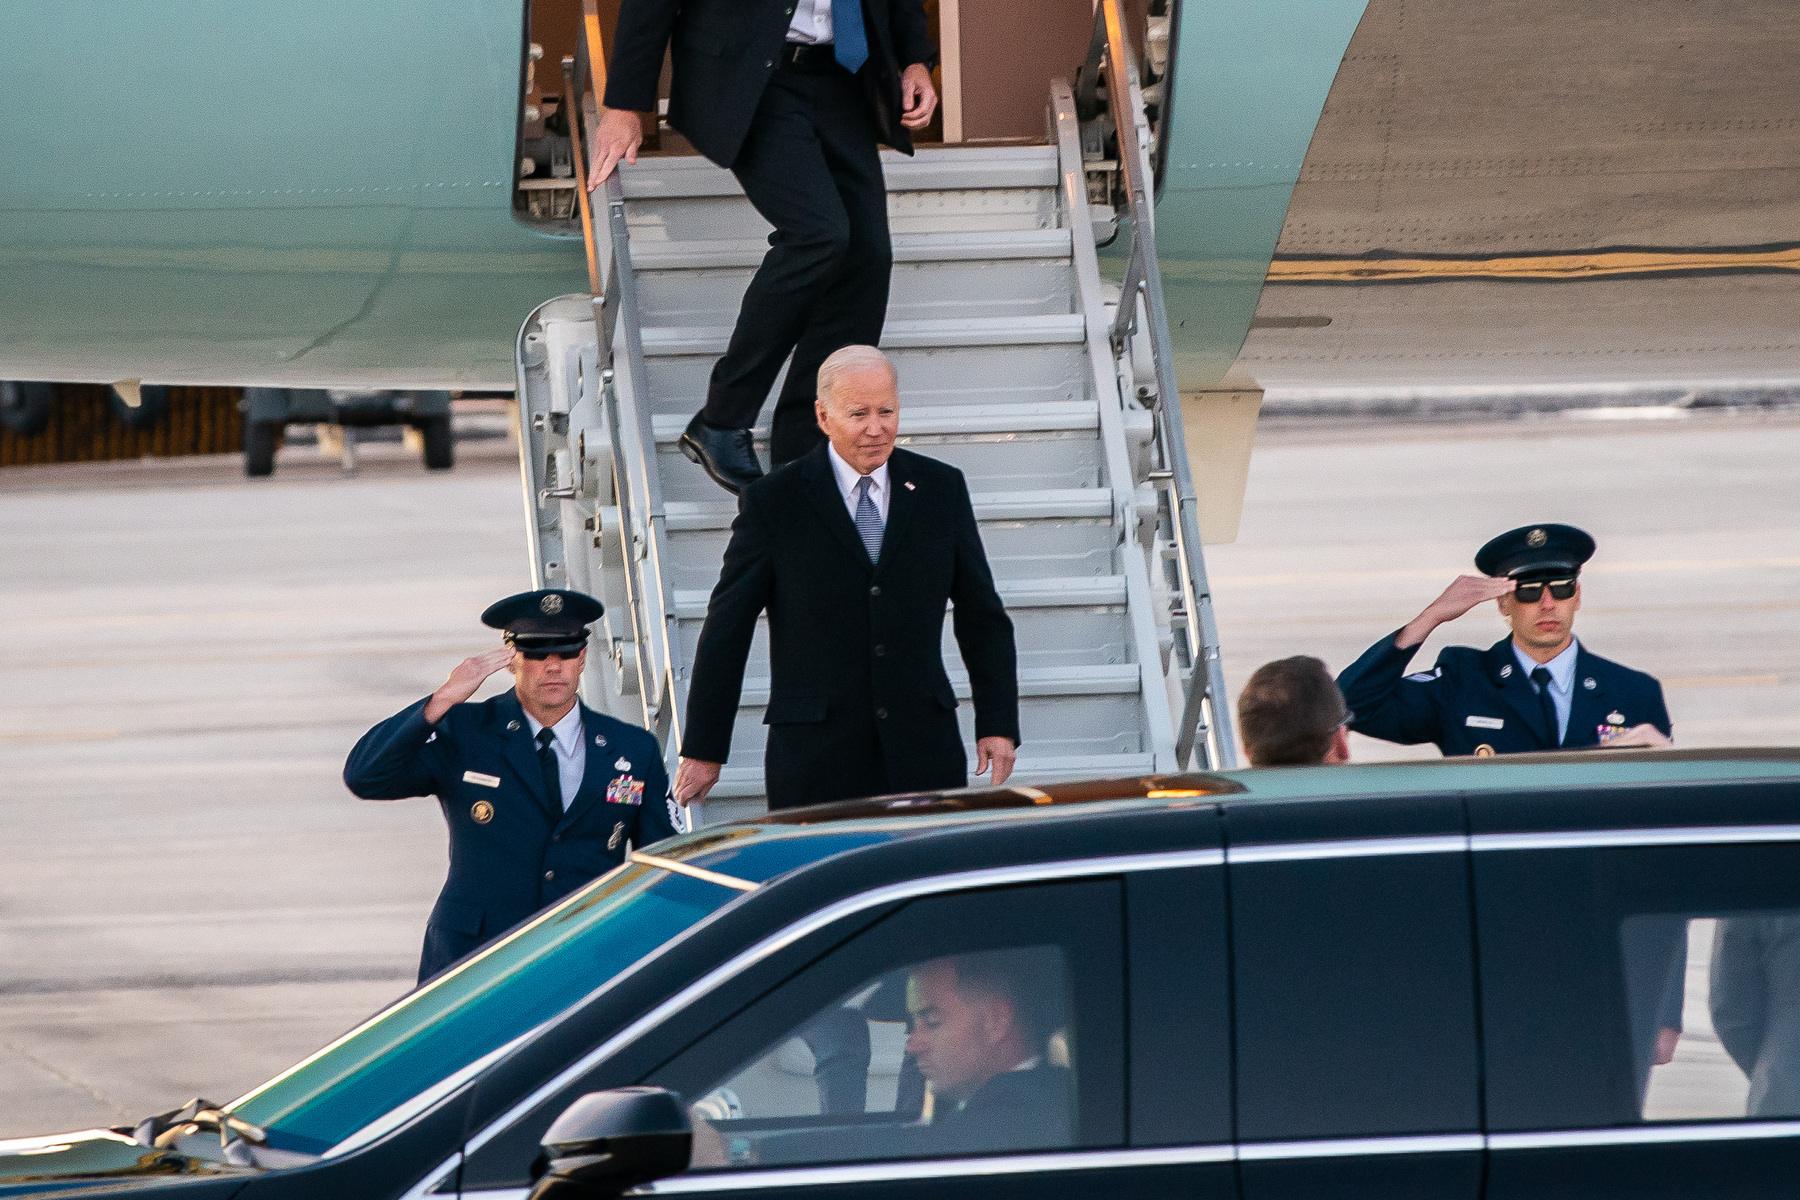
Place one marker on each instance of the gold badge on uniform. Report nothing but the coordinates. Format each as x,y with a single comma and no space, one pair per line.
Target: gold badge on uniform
482,811
1484,751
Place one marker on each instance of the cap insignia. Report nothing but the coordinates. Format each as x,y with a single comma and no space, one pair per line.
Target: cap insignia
1536,538
552,604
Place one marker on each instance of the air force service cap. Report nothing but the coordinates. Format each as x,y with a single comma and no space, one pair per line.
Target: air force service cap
1533,552
548,621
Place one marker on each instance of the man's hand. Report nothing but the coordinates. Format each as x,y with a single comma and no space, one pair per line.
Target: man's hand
1465,593
1666,1041
465,681
693,779
617,134
918,100
1638,735
998,752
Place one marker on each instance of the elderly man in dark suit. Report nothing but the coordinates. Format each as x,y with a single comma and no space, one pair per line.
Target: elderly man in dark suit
793,97
854,551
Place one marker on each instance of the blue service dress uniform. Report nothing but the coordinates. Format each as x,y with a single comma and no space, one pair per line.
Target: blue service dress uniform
513,849
1481,702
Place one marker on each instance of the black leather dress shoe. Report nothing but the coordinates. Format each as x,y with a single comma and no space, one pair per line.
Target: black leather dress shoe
727,455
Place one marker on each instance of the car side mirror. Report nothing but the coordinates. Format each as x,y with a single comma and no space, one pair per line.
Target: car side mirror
609,1141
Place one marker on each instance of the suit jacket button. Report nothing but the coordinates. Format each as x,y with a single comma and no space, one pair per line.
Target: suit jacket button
881,714
880,649
768,63
875,590
549,875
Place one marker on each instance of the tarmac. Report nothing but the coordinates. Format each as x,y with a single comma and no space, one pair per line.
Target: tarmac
190,900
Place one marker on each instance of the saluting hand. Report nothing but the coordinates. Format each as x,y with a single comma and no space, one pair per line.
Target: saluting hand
617,135
694,778
918,98
1463,594
998,752
465,681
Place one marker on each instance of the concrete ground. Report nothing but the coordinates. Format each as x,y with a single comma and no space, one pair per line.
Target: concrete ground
190,901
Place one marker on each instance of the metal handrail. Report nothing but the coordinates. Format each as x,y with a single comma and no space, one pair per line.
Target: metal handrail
1204,700
643,518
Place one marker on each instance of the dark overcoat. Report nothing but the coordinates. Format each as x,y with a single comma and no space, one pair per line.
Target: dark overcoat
855,650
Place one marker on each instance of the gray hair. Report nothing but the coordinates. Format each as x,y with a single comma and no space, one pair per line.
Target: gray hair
848,361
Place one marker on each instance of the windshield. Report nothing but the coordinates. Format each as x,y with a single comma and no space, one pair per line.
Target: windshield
452,1023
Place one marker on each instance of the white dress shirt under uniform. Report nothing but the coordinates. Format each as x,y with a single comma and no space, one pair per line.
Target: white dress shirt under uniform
846,481
811,23
571,756
1562,681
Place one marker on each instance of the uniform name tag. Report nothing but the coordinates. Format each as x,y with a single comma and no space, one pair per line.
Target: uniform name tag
625,790
1485,723
484,780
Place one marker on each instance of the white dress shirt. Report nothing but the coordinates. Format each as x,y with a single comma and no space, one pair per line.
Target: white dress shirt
846,481
811,23
571,755
1562,681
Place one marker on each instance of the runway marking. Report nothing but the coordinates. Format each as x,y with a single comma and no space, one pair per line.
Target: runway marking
1555,267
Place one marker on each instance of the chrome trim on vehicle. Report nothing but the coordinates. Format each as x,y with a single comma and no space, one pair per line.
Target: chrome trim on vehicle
689,869
1348,848
1429,1143
937,1168
908,890
1645,1135
1579,839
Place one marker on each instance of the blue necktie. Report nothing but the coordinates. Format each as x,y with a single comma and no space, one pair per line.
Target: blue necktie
868,519
850,41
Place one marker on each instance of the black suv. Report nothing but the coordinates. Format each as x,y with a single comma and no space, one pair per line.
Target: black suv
1569,975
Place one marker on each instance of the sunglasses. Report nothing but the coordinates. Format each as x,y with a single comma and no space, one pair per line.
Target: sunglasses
1531,593
541,655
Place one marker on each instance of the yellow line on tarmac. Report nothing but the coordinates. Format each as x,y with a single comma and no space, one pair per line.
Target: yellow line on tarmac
1600,264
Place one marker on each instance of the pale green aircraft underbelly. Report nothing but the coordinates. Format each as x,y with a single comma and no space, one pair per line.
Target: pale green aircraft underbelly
320,193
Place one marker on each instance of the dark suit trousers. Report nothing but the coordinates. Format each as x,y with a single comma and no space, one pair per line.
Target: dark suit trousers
810,166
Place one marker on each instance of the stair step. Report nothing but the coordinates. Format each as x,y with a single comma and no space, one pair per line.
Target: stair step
1103,679
1064,328
926,421
984,168
1047,505
648,254
744,782
1105,591
1048,372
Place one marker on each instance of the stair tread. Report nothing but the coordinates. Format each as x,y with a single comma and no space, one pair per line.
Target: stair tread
1057,591
1047,504
974,168
1053,328
926,419
650,254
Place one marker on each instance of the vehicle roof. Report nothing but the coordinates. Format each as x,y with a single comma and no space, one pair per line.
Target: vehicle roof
760,849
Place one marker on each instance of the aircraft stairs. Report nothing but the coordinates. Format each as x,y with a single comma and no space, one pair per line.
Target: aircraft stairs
1003,332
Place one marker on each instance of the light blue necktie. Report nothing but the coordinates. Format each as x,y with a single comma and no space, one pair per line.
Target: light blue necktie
868,519
850,41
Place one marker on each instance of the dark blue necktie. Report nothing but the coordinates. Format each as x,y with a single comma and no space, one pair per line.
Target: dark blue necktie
1540,676
868,519
850,41
547,765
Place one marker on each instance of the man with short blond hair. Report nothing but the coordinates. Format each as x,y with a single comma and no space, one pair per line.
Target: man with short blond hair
854,551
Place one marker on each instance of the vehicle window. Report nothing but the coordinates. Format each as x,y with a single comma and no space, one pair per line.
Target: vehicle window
1627,985
1729,1029
974,1024
480,1006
